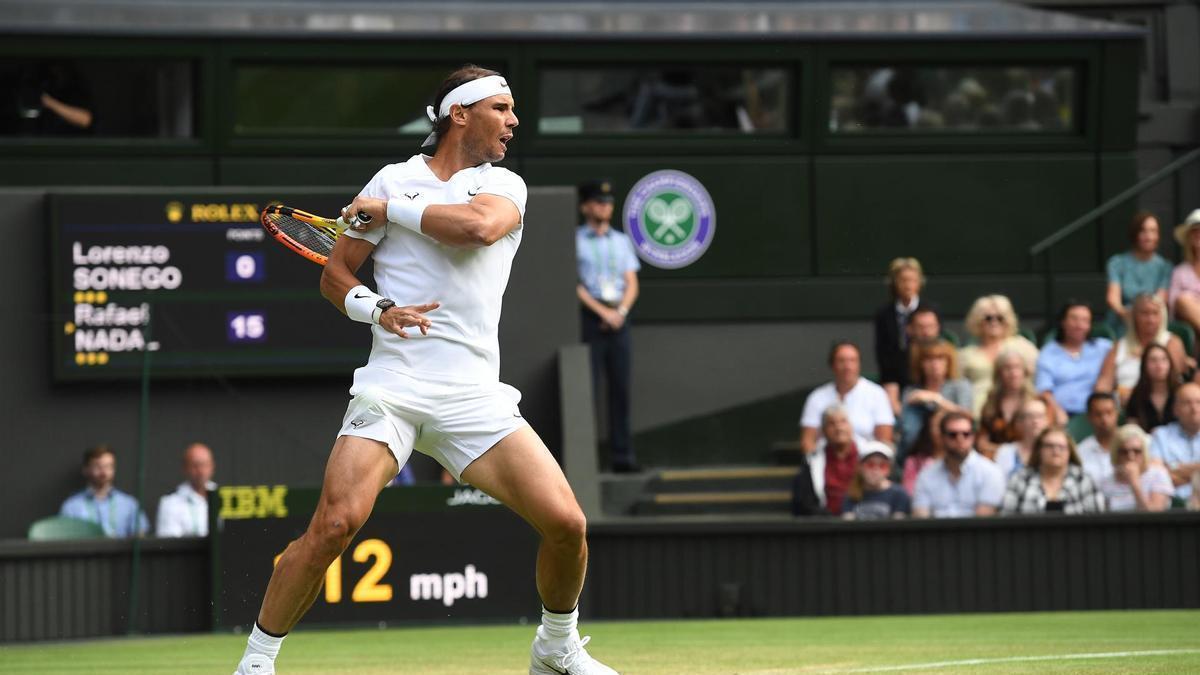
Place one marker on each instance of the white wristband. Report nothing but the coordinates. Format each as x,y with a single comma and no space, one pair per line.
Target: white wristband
406,212
362,304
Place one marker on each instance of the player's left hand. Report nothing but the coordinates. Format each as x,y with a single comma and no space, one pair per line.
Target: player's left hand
376,208
396,319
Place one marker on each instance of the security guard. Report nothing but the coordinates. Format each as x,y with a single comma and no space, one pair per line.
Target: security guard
607,289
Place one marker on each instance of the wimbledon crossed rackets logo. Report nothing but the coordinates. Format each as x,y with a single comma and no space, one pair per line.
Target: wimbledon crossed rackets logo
671,219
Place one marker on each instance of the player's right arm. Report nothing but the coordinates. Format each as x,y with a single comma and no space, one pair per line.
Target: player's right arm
481,222
341,275
341,272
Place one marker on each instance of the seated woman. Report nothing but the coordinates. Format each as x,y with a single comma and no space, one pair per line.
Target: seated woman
1012,387
1030,422
1138,270
1068,367
927,448
1136,484
905,280
1152,403
936,386
1053,482
1183,295
993,324
1147,325
872,495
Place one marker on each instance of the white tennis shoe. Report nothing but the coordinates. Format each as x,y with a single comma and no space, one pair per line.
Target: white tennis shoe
255,664
550,657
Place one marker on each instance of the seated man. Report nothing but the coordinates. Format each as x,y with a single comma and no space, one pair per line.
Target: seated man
1096,450
184,512
866,403
963,483
924,325
117,513
1177,445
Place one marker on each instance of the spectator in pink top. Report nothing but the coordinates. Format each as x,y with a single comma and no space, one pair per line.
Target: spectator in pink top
1183,295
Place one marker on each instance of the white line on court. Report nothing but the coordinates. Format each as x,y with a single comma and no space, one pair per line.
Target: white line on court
1021,659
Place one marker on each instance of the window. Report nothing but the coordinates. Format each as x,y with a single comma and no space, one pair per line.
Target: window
334,100
936,99
78,97
663,99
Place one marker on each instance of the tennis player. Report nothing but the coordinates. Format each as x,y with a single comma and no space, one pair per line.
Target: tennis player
443,233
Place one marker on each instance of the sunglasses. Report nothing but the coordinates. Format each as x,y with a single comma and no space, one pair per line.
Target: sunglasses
876,463
959,434
1130,451
993,317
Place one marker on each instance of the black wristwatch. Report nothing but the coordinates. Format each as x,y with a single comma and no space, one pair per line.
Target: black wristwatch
384,305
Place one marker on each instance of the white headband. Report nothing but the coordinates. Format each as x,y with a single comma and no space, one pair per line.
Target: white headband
465,94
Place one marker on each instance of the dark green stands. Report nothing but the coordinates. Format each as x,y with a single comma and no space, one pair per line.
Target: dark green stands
831,139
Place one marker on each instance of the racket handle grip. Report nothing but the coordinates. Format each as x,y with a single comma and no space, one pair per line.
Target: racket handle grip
363,218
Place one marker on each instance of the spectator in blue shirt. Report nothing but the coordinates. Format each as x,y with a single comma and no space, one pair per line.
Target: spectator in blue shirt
116,512
963,483
1138,270
1069,365
607,289
1178,444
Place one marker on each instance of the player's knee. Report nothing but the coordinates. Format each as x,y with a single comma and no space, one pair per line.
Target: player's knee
568,529
334,529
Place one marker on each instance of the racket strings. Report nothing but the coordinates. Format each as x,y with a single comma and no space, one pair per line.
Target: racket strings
313,238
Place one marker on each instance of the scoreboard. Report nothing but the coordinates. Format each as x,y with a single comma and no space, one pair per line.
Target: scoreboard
193,279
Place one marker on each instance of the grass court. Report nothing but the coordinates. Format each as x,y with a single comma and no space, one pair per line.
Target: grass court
1076,642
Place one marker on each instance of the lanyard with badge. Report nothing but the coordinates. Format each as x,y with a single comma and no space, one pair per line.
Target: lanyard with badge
609,293
112,514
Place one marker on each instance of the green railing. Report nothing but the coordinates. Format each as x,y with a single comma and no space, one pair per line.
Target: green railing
1043,247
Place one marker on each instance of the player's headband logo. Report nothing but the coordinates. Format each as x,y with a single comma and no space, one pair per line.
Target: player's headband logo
466,94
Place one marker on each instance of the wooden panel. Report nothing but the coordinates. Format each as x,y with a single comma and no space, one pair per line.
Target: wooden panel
71,590
825,567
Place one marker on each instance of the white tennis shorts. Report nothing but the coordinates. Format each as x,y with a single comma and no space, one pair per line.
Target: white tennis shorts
452,423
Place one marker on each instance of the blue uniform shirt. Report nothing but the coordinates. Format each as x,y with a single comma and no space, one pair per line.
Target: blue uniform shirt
603,261
116,514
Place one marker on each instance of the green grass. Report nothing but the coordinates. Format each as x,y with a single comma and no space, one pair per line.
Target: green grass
745,647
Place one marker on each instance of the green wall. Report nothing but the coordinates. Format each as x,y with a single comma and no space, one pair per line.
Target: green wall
806,220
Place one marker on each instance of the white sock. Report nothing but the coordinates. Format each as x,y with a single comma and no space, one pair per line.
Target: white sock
559,626
261,643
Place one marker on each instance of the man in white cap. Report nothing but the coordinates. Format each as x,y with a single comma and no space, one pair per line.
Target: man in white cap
872,495
443,230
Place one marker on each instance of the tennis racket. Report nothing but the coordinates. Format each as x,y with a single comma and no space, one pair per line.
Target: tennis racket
310,236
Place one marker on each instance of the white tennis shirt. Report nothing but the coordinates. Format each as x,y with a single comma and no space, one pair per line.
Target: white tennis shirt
412,269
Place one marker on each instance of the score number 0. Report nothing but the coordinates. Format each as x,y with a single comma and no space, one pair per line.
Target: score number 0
368,589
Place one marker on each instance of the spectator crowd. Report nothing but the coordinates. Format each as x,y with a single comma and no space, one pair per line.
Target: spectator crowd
182,513
1104,415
